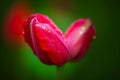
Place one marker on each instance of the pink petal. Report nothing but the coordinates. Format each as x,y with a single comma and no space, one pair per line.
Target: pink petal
79,37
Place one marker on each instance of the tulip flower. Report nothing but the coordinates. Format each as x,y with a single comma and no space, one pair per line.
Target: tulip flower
79,37
49,44
46,40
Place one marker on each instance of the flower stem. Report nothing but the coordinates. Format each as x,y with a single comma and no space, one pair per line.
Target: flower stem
60,73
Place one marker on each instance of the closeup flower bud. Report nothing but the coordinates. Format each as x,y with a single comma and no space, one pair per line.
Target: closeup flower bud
79,37
46,40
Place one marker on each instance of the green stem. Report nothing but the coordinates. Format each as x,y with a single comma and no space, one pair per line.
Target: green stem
60,73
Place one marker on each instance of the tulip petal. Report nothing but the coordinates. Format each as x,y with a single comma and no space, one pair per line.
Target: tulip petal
79,37
47,40
27,35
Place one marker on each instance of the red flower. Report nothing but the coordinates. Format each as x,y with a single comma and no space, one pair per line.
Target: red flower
46,40
49,44
79,37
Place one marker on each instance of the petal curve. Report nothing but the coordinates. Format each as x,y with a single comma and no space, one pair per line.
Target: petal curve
46,40
79,37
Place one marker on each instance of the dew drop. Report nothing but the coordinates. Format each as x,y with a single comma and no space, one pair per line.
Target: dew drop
81,32
43,27
38,25
23,33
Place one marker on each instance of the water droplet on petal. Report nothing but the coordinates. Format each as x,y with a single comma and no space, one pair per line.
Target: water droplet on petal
38,25
81,32
23,33
43,27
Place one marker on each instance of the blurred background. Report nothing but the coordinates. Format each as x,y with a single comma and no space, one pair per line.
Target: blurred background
102,61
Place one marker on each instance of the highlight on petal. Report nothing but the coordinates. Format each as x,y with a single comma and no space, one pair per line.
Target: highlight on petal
46,40
79,37
13,24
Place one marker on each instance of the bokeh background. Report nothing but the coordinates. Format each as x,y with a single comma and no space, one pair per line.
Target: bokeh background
102,61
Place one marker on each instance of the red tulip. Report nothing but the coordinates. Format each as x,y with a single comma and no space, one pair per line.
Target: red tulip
49,44
46,40
79,37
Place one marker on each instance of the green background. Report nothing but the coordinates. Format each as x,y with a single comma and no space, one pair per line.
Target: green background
102,61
